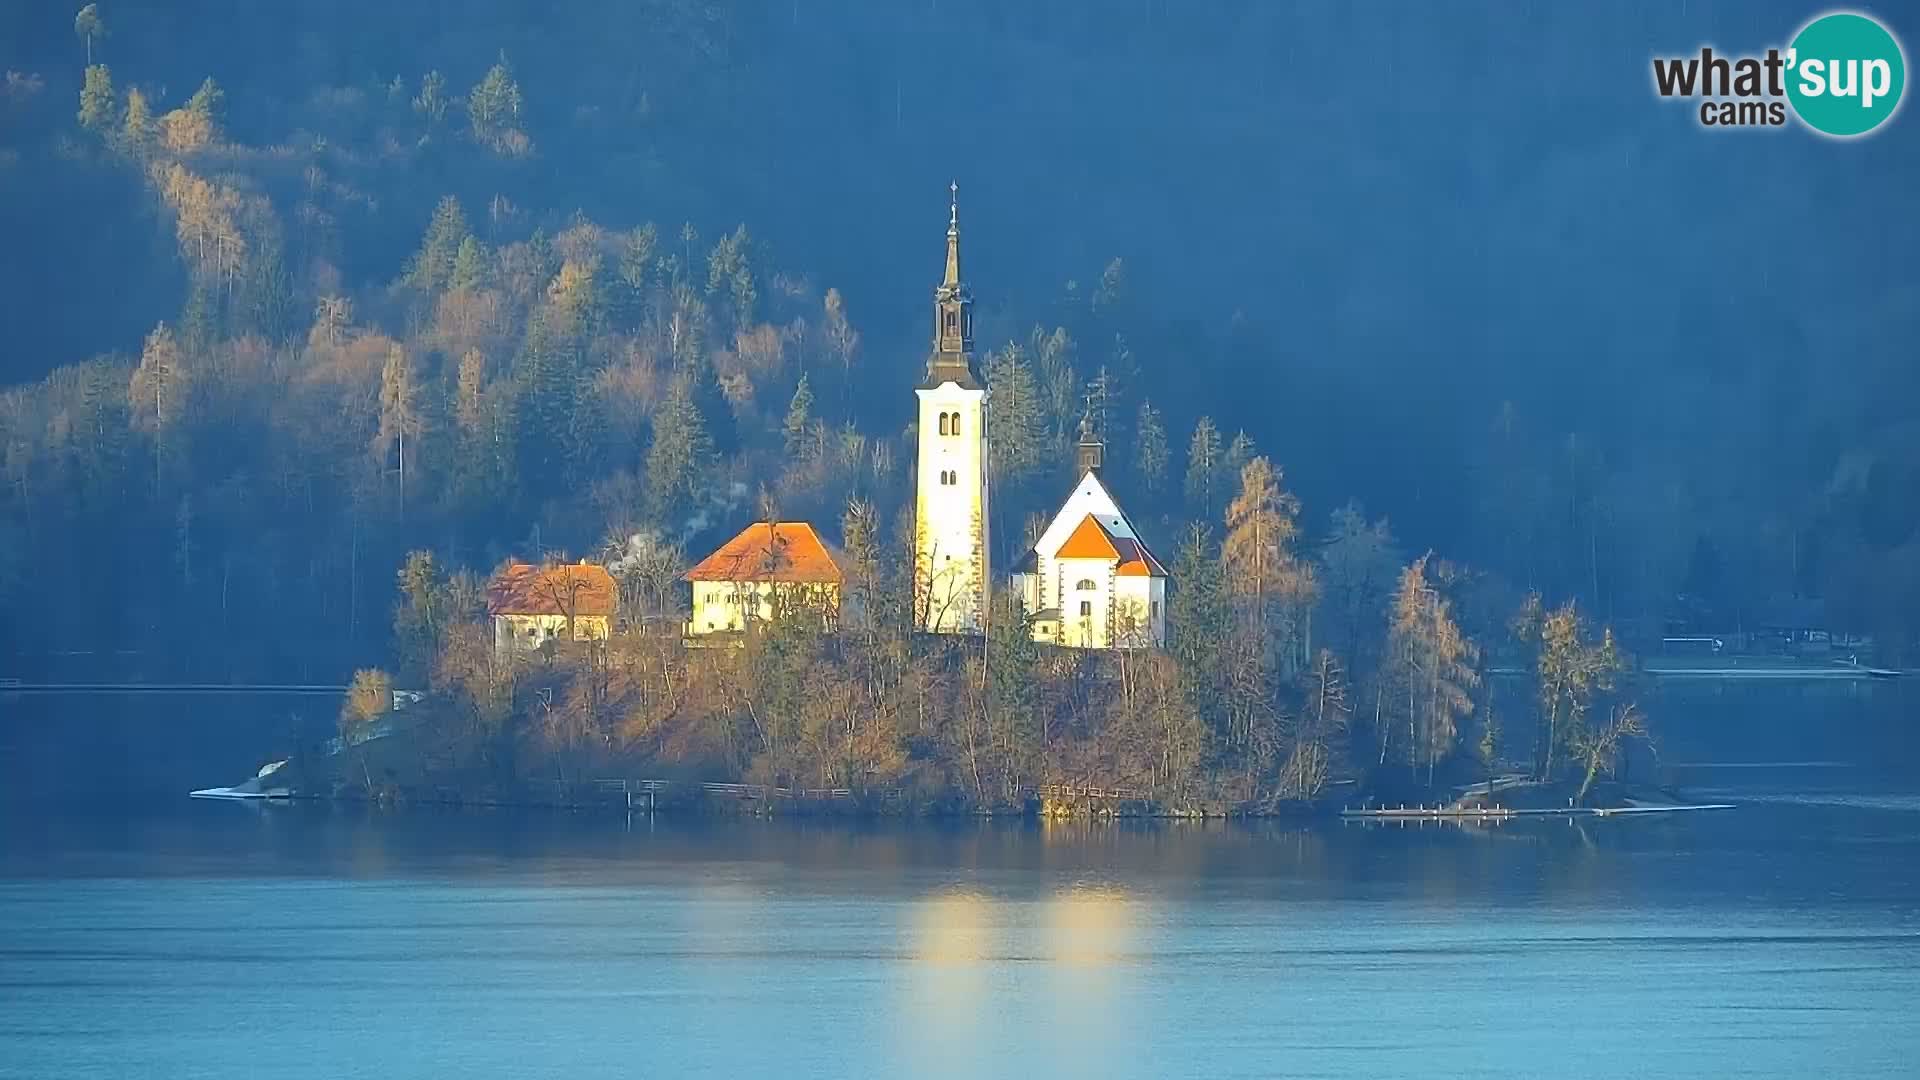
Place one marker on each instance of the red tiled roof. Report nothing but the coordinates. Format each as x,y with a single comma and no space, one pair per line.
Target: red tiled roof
525,589
787,551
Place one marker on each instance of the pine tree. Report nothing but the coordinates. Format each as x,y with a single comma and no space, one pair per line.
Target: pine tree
469,270
97,100
799,421
1150,451
433,266
493,107
680,451
1019,424
1203,468
89,27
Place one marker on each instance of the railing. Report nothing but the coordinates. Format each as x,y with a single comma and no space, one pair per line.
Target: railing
1077,791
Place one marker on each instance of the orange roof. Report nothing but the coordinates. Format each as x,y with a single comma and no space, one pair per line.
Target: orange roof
783,551
1089,540
1092,540
525,589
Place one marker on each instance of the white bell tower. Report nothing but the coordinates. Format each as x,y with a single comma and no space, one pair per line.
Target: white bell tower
951,582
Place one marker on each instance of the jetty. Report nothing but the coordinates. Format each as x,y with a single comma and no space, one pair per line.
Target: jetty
1456,812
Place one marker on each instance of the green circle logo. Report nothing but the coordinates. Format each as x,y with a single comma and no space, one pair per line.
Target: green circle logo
1845,74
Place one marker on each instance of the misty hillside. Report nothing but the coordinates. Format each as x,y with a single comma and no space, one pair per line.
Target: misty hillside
581,258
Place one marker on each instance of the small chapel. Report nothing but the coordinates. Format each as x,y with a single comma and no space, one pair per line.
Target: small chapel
1089,582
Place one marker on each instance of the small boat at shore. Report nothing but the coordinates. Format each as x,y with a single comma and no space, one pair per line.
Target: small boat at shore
258,787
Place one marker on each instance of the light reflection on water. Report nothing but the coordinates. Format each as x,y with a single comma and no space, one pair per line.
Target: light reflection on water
1781,939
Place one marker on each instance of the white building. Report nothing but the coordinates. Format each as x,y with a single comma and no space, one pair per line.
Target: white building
532,605
1089,581
951,577
770,570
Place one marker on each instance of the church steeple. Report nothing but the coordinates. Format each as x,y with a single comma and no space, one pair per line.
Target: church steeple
1089,454
952,359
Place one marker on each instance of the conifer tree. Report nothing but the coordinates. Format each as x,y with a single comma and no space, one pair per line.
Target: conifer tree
799,421
1019,424
1203,468
89,27
469,270
433,265
1150,451
680,451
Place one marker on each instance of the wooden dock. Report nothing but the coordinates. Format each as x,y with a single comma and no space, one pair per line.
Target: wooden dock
1502,813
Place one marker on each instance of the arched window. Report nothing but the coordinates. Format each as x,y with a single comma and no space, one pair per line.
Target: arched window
943,423
1085,584
956,424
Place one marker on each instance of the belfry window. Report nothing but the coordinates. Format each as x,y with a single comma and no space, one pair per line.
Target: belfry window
943,423
956,425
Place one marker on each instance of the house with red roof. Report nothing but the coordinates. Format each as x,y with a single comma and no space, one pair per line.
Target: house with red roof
768,571
1090,581
532,605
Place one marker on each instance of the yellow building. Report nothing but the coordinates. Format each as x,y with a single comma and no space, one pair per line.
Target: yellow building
769,569
532,605
951,579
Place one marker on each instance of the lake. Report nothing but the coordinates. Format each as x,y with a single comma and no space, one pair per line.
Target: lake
143,934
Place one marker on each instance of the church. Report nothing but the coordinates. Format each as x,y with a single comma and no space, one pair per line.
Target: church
1089,582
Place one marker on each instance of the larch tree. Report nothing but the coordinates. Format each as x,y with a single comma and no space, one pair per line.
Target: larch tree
842,340
400,414
431,102
1430,666
97,100
136,127
1262,525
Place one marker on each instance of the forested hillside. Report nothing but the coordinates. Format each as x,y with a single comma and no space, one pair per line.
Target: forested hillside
295,289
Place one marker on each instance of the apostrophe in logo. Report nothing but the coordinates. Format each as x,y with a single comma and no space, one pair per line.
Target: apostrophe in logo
1843,76
1846,74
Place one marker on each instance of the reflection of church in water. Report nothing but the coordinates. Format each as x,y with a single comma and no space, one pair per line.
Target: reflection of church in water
1089,581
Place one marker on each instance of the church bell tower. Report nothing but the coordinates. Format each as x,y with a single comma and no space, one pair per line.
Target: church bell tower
951,582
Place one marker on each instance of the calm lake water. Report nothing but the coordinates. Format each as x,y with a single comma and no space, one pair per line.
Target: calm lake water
153,936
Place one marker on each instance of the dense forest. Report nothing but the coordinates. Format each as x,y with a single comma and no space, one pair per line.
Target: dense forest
294,292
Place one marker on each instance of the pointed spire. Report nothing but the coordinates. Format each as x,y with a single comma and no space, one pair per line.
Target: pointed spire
952,279
1091,452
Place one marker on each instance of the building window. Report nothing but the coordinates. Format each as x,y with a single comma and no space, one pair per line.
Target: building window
1086,609
1085,584
1153,609
956,424
943,423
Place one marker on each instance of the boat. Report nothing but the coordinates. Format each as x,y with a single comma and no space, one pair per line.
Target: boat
257,787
